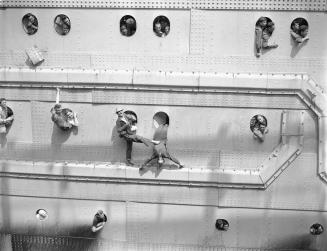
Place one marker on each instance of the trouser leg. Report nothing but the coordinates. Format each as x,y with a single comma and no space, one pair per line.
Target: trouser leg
258,134
140,139
129,149
173,159
148,161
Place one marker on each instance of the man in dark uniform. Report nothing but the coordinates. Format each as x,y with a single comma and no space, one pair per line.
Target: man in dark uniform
6,116
160,150
126,128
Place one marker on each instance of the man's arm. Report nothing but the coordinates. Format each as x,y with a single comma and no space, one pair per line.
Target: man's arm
295,36
121,126
98,227
258,39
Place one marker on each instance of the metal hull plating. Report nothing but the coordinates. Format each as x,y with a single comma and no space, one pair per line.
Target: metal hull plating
205,76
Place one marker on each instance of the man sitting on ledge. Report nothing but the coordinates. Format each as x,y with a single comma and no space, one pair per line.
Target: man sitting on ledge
64,118
6,116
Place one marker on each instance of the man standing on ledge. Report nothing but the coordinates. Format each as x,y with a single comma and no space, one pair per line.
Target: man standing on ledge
126,128
160,151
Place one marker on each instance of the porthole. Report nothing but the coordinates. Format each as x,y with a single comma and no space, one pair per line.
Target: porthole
62,24
161,26
316,229
41,214
30,24
258,121
299,30
127,25
222,224
259,127
160,118
264,28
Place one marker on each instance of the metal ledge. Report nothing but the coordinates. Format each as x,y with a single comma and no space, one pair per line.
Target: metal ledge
279,5
299,85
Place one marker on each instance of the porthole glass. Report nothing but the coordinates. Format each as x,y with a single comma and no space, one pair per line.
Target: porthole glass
127,26
30,24
299,30
160,118
41,214
62,24
222,224
161,26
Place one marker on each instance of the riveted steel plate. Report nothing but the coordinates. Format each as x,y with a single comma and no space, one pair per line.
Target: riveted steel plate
41,121
71,95
297,188
145,222
196,99
197,36
28,94
306,5
241,160
294,123
110,191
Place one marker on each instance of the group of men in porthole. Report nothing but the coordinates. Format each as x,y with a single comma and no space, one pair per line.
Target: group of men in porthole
126,127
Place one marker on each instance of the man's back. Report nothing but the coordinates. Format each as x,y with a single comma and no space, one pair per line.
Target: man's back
161,133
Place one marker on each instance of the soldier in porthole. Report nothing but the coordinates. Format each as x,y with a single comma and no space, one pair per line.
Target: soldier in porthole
127,26
161,26
263,31
30,24
222,224
62,24
316,229
258,126
299,30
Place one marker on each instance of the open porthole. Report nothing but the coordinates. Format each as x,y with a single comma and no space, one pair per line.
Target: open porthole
30,24
259,127
41,214
299,30
127,26
264,28
222,224
160,118
161,26
62,24
316,229
130,116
